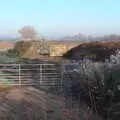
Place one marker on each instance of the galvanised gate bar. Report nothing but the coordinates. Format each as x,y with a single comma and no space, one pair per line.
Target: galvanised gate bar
31,74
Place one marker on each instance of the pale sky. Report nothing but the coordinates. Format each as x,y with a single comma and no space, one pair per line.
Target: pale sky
60,17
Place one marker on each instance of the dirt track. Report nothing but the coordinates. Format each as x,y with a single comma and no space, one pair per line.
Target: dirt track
33,104
29,104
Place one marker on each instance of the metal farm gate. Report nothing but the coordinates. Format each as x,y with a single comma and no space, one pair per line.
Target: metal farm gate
31,74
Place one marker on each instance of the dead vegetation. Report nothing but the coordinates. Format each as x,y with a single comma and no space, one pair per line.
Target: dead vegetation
93,50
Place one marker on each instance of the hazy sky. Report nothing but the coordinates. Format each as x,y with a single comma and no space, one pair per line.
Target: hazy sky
57,17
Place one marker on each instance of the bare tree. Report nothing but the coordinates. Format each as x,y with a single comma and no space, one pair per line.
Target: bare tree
28,32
